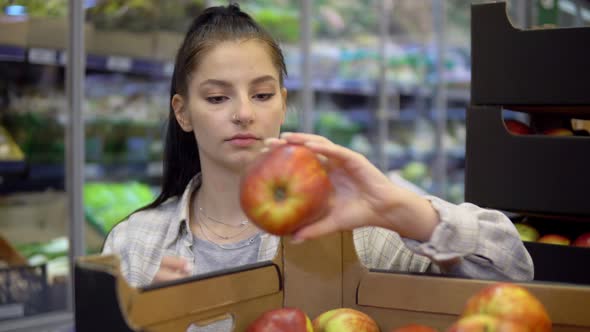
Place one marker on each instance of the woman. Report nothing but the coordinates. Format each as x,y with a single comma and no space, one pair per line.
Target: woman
228,102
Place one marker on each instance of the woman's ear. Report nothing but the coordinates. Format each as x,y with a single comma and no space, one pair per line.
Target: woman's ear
181,113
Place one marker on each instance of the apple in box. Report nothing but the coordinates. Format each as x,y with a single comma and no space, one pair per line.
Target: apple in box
527,232
414,328
558,132
509,302
516,127
282,320
487,323
285,189
344,320
554,239
582,240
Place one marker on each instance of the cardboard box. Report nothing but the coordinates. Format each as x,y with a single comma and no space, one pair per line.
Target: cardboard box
52,33
14,32
121,43
166,45
315,276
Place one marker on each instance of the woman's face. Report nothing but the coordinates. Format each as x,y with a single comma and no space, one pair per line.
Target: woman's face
235,101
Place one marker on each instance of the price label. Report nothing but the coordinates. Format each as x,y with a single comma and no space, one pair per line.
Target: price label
42,56
117,63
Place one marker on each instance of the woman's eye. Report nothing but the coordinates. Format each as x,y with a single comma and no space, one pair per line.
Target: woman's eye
263,96
216,99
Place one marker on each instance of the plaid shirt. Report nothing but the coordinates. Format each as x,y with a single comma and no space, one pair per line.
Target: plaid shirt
485,243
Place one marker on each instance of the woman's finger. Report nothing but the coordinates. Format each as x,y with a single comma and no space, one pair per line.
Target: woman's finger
319,228
166,275
302,138
273,142
173,263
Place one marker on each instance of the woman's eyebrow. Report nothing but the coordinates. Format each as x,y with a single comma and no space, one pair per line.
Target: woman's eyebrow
263,79
220,83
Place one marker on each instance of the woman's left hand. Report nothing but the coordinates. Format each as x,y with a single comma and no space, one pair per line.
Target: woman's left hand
362,196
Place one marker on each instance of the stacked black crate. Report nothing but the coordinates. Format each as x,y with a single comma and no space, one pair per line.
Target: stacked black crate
542,73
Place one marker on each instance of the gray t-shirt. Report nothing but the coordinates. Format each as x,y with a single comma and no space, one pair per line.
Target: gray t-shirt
212,257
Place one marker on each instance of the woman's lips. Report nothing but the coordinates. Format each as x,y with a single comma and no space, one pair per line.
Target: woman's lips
243,141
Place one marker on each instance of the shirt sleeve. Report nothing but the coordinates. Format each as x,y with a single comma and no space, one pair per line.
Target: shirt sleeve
115,244
484,242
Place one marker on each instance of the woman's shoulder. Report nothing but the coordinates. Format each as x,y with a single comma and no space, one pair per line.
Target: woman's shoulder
147,223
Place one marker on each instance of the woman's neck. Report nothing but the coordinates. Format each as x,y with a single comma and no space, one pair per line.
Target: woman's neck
218,196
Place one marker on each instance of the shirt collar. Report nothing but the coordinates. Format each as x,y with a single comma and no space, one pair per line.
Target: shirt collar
179,222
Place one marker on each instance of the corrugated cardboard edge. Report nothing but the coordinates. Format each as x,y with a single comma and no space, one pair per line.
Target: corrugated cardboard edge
324,274
394,299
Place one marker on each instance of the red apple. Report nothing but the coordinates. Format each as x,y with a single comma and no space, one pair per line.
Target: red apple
344,320
512,302
285,189
554,239
414,328
486,323
582,240
558,132
282,320
517,128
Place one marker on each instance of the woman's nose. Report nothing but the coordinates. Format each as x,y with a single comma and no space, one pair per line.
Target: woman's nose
244,113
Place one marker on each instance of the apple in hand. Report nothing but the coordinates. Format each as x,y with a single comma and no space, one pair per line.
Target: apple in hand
344,320
517,128
527,232
281,320
512,302
554,239
582,240
285,189
414,328
487,323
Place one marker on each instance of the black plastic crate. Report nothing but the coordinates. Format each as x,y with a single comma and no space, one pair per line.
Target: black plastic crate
23,291
558,263
526,67
528,174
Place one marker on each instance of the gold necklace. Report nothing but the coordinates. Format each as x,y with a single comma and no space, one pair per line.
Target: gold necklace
202,222
240,225
243,223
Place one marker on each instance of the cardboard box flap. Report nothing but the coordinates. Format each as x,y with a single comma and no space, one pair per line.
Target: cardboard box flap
172,306
219,290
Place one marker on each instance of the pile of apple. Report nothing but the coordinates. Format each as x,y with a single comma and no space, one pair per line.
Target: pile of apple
500,307
516,127
530,234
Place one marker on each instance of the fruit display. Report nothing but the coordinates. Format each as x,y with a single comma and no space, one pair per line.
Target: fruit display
555,232
285,189
106,204
498,307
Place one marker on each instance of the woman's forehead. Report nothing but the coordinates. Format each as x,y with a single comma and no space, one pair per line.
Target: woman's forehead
232,60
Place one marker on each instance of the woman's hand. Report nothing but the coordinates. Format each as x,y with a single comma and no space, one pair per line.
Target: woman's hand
172,268
363,195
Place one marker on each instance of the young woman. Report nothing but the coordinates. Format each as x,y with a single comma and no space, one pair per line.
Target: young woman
228,102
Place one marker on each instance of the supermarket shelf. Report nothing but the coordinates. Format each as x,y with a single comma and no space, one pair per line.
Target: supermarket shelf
155,68
12,168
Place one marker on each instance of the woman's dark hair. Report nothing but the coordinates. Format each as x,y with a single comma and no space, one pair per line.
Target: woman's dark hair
212,26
